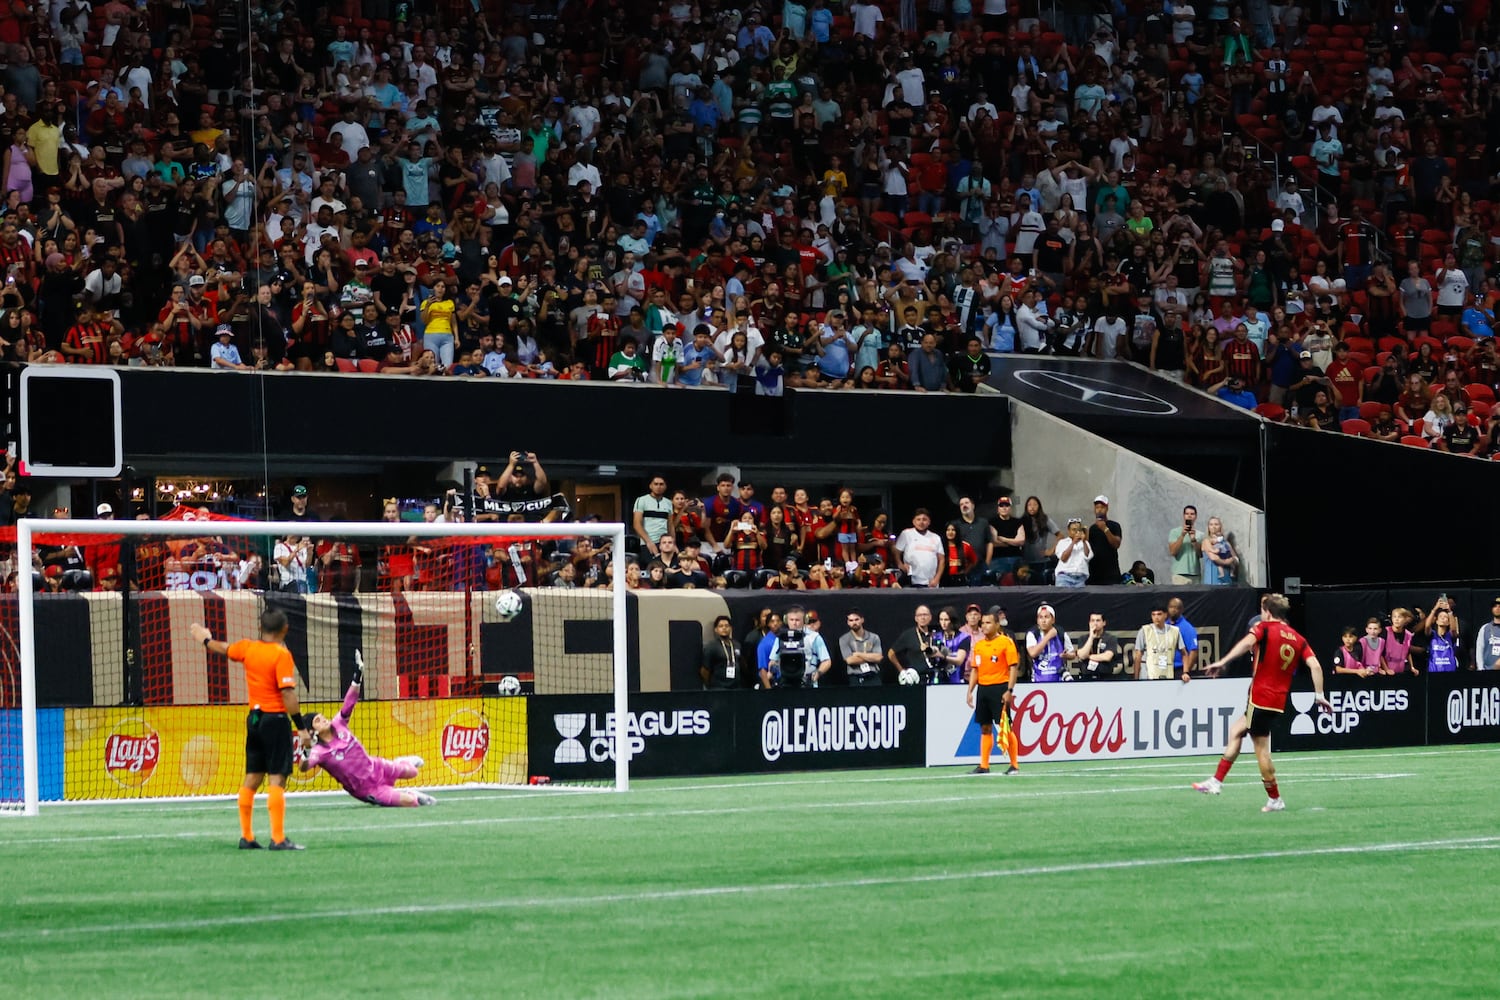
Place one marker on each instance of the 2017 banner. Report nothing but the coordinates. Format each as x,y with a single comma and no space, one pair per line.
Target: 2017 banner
1057,722
573,737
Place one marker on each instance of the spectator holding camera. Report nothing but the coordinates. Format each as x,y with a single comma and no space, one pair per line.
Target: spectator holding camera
1444,650
1182,544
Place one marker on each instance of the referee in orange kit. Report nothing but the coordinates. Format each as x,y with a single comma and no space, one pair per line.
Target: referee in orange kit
271,685
992,667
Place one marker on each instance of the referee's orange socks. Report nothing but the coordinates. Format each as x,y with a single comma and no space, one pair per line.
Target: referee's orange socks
247,806
986,747
1013,749
277,808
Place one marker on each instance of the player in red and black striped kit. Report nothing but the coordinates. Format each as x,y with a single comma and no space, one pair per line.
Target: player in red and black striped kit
1279,649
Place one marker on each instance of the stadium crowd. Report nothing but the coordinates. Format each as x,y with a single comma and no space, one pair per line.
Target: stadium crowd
759,196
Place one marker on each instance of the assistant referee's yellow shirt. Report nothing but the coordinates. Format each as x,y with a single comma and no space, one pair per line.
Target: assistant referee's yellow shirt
993,659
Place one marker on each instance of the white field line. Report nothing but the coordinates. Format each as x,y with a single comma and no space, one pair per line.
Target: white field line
649,814
752,889
1286,764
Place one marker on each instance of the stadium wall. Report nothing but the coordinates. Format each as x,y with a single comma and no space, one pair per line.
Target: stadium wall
1068,466
436,642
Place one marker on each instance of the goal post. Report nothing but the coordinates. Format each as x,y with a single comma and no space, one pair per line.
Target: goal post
105,697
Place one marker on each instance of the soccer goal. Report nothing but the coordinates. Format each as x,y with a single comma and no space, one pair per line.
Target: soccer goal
106,696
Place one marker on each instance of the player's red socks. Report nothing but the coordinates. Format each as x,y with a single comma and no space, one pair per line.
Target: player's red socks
986,747
1222,771
247,806
277,809
1272,792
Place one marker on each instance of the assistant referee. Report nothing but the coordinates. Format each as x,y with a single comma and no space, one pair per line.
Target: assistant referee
271,686
992,668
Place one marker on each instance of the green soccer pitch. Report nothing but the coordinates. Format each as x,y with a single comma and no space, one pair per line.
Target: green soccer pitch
1079,880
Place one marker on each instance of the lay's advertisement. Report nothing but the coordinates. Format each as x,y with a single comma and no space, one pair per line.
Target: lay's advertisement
135,753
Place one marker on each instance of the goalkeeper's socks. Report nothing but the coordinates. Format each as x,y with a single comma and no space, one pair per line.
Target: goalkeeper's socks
986,747
247,806
1222,771
1013,749
277,809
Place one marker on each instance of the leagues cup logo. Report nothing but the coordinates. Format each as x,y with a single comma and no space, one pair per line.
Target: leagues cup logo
131,753
570,750
1302,724
466,740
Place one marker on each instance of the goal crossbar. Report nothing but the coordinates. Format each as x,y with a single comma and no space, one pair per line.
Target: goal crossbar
27,529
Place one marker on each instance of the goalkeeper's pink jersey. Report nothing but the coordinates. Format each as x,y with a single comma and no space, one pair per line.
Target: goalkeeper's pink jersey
344,756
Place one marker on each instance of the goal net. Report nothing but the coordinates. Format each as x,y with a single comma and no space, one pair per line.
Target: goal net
105,694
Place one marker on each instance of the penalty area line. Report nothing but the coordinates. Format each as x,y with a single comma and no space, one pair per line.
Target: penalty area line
747,889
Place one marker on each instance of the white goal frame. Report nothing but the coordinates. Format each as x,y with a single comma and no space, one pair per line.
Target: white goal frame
28,528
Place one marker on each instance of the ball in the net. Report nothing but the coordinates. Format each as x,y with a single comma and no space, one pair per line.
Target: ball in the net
510,685
508,605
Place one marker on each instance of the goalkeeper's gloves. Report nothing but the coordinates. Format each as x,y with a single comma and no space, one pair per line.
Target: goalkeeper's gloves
357,679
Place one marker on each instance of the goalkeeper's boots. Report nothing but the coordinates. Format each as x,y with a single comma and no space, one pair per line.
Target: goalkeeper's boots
286,845
249,845
423,799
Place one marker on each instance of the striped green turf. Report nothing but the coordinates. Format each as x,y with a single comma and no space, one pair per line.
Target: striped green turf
1074,880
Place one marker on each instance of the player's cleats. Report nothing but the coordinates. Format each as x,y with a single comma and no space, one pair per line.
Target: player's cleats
249,845
1012,770
286,845
411,759
1213,786
1273,806
980,770
423,799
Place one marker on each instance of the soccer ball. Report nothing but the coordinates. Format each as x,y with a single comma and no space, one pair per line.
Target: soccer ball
508,605
510,685
909,676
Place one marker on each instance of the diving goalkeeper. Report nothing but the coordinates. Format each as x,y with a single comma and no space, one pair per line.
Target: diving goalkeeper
339,752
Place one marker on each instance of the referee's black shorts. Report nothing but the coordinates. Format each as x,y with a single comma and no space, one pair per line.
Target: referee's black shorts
268,743
989,704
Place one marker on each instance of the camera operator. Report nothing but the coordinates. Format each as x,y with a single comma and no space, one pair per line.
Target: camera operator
921,648
796,652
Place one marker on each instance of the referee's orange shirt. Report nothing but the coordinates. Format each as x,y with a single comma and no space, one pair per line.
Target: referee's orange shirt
993,659
268,671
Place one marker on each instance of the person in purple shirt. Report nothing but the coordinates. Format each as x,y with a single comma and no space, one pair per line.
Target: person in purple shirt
339,752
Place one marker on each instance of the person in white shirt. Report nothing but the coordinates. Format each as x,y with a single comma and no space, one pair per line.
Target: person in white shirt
1109,331
1073,556
1031,327
982,103
919,551
353,133
867,18
1027,223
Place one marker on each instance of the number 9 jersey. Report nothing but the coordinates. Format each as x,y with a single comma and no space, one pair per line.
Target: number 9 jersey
1279,650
